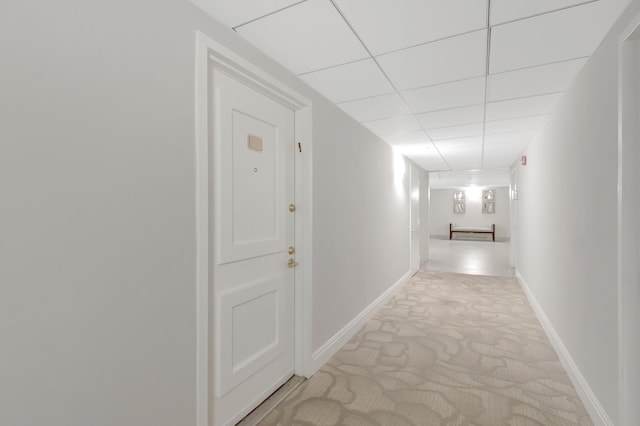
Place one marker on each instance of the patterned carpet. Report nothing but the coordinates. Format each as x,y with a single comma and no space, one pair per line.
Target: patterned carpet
449,349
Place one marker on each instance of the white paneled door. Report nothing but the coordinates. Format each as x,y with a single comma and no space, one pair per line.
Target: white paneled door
253,253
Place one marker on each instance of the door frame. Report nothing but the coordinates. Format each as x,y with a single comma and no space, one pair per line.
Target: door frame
415,224
212,55
628,227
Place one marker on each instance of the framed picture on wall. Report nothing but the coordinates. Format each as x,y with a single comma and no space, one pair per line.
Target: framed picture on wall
488,201
458,202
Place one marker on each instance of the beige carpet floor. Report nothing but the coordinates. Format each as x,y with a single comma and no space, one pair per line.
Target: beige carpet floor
449,349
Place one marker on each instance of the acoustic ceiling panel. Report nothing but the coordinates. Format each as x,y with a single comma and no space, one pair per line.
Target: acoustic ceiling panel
306,37
567,34
376,108
538,80
393,126
236,12
385,25
462,154
355,80
514,125
452,117
415,68
451,59
511,10
483,178
464,131
444,96
523,107
504,149
423,154
414,137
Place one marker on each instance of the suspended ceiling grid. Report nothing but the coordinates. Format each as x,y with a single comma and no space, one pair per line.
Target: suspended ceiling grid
455,85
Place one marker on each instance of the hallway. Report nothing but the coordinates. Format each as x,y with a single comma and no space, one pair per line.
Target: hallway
467,256
122,240
449,349
457,344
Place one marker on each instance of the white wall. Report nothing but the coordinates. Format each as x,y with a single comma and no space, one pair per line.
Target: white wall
361,220
442,211
567,208
97,246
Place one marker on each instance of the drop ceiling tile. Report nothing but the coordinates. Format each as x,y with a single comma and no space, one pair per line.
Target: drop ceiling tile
508,139
386,25
501,158
451,59
393,126
444,96
306,37
355,80
413,137
452,117
514,125
376,108
503,150
467,130
462,154
533,81
234,13
511,10
566,34
430,164
459,144
483,178
423,154
523,107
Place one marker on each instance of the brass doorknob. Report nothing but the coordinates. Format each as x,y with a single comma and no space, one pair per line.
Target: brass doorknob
292,263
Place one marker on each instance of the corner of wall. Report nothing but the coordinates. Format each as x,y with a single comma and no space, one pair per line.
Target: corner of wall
324,353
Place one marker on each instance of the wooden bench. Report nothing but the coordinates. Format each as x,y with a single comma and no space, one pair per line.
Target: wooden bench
491,229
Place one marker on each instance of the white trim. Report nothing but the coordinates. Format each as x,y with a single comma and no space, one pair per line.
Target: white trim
210,53
202,237
628,228
335,343
597,412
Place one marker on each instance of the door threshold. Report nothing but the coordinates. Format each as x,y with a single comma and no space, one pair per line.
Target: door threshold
263,410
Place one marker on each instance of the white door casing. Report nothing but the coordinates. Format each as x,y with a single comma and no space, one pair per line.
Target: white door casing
628,225
513,217
414,218
255,238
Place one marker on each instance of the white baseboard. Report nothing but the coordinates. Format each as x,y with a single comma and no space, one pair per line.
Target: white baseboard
597,412
334,344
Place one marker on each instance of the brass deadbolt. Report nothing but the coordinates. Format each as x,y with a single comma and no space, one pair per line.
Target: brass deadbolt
292,208
291,250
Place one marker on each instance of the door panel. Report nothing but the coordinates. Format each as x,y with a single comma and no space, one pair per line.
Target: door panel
253,289
257,325
253,189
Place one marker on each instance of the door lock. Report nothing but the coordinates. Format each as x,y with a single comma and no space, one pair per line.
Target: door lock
292,263
291,250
